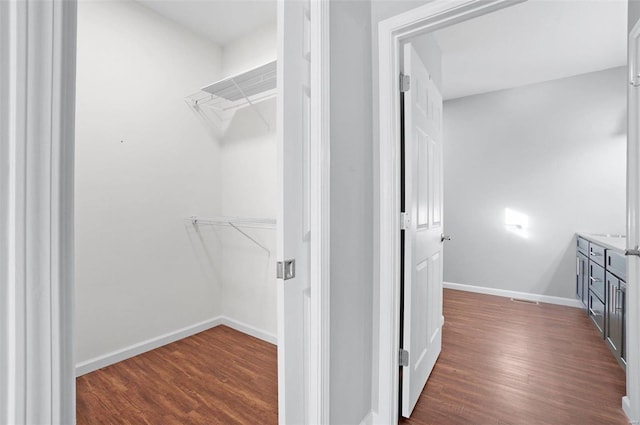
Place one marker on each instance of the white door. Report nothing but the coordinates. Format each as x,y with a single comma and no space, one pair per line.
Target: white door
422,333
293,216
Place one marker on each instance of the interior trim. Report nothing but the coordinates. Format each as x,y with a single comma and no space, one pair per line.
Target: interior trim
133,350
569,302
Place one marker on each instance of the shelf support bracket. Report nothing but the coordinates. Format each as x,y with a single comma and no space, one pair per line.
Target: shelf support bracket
250,238
253,107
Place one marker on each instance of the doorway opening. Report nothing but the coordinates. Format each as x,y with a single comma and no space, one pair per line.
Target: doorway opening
40,363
188,164
510,218
176,188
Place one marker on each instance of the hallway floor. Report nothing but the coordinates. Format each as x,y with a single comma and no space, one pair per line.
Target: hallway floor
506,362
502,362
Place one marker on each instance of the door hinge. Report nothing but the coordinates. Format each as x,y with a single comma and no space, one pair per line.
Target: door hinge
403,358
405,221
286,269
635,252
405,83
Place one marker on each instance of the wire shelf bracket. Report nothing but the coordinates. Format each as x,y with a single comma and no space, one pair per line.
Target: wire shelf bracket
236,223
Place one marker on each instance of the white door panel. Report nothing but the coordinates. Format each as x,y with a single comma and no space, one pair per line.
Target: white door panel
422,334
294,209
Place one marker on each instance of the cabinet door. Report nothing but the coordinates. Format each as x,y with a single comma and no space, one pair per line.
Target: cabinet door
613,320
616,264
582,278
579,279
623,320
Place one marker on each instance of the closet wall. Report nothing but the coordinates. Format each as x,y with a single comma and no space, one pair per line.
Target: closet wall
249,189
145,160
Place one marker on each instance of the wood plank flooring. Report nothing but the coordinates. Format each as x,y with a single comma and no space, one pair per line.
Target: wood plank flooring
502,362
506,362
219,376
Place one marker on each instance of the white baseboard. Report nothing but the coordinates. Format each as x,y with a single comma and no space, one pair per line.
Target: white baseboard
367,420
153,343
249,330
626,408
569,302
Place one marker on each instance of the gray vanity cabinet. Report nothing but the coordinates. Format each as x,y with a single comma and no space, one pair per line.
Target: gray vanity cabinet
601,274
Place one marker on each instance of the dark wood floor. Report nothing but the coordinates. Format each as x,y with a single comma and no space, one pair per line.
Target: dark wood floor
502,362
505,362
219,376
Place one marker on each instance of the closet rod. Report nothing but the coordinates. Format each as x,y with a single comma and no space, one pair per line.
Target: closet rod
236,223
266,223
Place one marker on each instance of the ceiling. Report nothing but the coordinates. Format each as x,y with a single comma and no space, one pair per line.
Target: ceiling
221,21
535,41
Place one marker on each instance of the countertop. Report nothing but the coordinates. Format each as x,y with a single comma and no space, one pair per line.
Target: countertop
617,242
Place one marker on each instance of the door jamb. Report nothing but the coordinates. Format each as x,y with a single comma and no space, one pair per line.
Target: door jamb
631,402
37,80
319,170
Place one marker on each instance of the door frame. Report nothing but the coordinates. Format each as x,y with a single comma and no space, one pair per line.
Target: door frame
37,80
317,370
392,32
37,149
320,196
631,402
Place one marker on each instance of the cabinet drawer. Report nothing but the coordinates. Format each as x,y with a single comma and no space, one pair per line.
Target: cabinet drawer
596,253
596,280
582,245
616,264
596,312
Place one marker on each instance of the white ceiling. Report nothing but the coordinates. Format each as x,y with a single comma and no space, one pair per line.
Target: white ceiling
539,40
221,21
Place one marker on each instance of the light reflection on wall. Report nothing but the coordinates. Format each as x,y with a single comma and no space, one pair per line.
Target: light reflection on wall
516,222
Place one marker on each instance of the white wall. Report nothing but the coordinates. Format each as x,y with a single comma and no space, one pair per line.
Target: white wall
555,151
144,161
249,188
351,212
254,49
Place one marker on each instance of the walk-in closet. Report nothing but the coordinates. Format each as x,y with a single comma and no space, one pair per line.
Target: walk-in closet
175,211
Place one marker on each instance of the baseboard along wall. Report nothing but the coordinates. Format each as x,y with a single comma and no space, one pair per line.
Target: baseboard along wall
569,302
157,342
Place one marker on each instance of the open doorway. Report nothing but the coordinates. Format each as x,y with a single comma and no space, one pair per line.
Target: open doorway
186,197
39,338
473,160
176,190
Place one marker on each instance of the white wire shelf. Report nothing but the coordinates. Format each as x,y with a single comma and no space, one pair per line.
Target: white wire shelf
237,223
243,89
